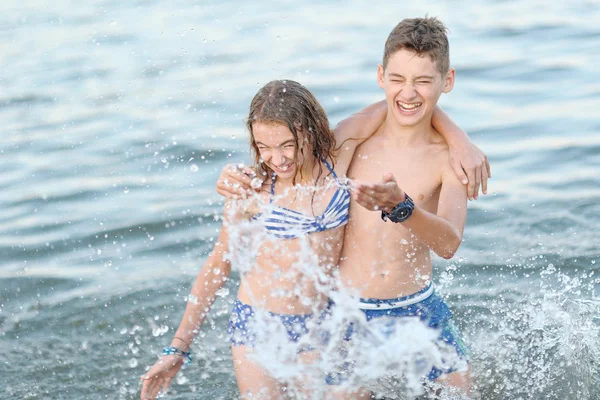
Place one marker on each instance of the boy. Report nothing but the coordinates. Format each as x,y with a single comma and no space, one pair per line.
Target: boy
422,202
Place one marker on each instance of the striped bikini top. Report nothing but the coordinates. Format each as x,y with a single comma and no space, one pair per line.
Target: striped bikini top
284,223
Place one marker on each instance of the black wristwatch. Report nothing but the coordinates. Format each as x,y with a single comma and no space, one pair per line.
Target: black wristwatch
401,212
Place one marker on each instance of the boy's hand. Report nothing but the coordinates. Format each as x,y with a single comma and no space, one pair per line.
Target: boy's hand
382,196
472,168
237,181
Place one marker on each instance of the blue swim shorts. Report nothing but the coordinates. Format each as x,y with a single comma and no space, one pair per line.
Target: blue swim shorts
430,308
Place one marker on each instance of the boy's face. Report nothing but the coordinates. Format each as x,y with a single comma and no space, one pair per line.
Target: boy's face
412,86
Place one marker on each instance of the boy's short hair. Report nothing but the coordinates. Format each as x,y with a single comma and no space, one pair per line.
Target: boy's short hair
424,36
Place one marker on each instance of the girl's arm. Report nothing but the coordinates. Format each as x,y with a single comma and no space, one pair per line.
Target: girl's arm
469,163
210,279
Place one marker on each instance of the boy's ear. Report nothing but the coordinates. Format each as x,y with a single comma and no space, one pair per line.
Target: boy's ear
449,80
380,74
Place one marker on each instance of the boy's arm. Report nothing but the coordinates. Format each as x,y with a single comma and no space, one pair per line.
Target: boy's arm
351,132
235,181
469,163
442,232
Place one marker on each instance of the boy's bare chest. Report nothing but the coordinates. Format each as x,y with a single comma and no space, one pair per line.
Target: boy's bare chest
416,172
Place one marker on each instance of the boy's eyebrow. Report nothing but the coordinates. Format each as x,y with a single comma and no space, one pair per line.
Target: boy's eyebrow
396,75
418,77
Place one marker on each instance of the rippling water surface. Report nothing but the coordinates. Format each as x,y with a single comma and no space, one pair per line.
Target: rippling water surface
117,117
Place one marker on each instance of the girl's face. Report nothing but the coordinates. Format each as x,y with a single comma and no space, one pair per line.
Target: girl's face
276,145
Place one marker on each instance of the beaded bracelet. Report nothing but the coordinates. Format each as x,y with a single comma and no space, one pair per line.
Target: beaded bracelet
167,351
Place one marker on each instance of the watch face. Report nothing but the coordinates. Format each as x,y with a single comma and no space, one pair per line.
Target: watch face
403,212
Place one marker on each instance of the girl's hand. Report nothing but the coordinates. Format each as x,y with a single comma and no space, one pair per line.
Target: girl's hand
159,377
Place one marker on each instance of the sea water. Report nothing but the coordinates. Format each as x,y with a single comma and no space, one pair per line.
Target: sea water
118,117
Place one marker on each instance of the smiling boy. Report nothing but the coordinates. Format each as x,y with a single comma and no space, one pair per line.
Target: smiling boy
418,204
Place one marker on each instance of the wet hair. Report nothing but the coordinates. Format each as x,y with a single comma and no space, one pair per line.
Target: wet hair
288,103
424,36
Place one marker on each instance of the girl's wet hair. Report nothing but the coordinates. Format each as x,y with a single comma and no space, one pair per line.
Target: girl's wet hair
289,103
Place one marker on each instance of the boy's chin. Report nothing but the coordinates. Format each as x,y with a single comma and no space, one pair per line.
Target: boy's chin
408,122
413,120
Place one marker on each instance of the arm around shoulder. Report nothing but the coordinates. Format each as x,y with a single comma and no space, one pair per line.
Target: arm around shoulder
469,163
354,130
362,124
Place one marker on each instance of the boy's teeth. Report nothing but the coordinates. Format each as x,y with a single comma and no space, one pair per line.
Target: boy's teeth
409,106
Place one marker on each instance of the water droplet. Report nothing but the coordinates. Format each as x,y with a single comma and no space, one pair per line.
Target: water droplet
194,168
256,183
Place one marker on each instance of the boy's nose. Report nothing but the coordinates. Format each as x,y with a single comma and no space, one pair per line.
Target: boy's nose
408,92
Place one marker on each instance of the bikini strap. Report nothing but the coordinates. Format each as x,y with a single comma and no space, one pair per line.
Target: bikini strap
331,170
273,175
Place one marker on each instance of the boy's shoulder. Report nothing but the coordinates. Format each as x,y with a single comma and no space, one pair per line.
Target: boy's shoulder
433,155
439,147
438,151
